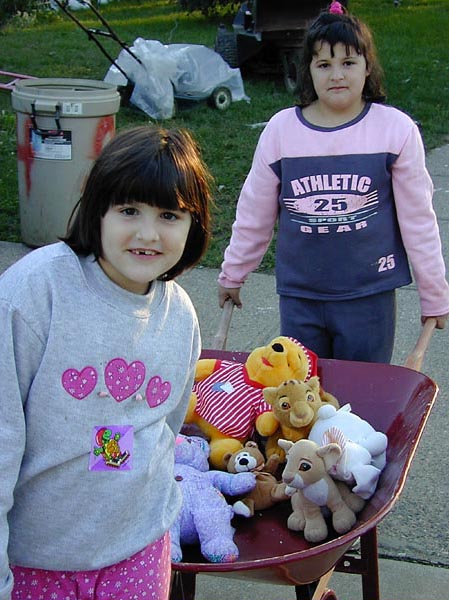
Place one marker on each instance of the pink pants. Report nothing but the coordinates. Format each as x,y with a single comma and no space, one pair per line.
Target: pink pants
144,575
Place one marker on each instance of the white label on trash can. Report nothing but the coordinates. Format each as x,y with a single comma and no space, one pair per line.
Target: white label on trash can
72,108
51,144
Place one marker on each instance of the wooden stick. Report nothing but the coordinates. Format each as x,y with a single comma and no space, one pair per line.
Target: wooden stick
321,588
416,357
219,340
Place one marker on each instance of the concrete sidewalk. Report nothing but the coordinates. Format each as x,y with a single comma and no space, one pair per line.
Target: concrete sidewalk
398,581
414,538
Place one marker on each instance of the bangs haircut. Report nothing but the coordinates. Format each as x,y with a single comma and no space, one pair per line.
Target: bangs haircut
149,165
153,176
352,33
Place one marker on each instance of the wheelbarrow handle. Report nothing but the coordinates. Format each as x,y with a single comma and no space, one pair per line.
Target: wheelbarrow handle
219,340
416,357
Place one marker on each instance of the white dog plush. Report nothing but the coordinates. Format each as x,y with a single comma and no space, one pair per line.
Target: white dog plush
363,448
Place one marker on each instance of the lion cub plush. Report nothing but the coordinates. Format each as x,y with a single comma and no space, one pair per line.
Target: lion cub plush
312,489
295,405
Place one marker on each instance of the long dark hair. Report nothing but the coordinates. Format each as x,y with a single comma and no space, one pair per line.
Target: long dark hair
152,165
353,33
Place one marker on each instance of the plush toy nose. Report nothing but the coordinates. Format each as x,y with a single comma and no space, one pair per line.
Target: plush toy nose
278,347
287,477
243,461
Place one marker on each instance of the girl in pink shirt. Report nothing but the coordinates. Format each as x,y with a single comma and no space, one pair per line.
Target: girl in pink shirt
344,177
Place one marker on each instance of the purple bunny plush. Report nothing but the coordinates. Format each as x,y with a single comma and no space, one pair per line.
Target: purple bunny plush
205,515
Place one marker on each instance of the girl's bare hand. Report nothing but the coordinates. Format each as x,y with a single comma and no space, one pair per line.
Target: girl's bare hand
441,320
225,293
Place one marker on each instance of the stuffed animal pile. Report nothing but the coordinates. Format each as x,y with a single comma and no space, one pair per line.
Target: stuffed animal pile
333,457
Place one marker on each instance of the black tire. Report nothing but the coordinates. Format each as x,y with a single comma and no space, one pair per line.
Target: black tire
292,77
221,98
226,46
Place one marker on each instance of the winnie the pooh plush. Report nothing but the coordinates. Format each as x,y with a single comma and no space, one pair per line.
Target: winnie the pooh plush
295,405
227,402
268,491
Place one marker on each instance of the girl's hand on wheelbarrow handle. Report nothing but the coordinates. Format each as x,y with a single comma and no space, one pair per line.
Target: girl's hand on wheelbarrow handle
225,293
440,321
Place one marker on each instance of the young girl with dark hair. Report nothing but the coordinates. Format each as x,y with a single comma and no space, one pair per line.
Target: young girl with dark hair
345,178
98,349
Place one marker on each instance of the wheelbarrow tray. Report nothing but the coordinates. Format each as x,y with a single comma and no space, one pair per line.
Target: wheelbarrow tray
393,399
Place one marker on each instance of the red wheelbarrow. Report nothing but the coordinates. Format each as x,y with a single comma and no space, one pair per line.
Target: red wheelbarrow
394,399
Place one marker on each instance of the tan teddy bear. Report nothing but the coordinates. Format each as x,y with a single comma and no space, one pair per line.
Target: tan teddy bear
268,490
295,405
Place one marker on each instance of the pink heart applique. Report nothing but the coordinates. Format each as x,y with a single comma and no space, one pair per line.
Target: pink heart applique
79,384
157,391
123,380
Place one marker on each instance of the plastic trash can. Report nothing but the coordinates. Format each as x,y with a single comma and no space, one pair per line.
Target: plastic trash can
62,126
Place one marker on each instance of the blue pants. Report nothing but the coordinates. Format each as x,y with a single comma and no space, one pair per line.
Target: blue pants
361,329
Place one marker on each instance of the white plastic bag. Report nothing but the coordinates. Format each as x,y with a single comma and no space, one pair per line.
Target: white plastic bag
176,70
152,77
201,70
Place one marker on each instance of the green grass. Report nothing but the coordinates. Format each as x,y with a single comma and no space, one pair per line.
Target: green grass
412,46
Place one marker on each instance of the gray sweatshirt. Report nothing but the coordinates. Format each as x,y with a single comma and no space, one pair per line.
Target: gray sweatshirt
95,381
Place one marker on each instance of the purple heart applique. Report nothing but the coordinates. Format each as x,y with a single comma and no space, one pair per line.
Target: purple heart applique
79,384
123,380
157,391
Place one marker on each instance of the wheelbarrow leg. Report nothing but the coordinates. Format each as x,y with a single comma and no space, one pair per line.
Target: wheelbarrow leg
183,586
366,565
370,576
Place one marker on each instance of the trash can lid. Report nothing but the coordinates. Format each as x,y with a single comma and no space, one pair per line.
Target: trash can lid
75,97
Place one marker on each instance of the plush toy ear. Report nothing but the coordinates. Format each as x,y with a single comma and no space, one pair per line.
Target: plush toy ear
298,360
330,454
227,457
314,383
285,444
303,360
269,394
251,444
